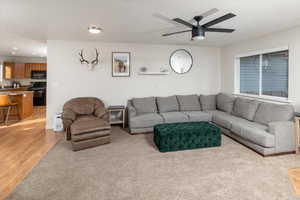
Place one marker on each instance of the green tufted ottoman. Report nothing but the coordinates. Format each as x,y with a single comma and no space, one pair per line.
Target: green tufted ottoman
186,135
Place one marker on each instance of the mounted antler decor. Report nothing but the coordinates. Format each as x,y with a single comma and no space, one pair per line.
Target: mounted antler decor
90,64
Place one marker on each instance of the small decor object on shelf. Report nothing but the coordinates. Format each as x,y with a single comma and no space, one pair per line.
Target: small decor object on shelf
116,115
163,70
120,64
90,64
143,69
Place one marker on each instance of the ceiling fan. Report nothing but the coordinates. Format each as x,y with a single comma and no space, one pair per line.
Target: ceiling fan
198,31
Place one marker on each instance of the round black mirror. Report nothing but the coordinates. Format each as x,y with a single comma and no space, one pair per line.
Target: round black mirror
181,61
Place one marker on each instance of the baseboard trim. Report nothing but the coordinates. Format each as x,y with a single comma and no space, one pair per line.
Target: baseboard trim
143,133
281,154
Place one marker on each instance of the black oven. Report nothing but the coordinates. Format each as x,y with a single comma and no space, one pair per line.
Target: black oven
35,74
39,93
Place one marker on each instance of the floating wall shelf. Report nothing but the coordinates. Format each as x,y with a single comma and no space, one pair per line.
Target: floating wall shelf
153,73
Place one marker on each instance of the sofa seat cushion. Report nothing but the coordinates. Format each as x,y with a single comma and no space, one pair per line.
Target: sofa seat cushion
245,108
271,112
144,105
251,131
87,124
225,102
189,102
174,117
197,116
237,126
208,102
167,104
222,118
146,120
254,132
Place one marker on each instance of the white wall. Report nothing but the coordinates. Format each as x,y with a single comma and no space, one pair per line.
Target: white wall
67,78
290,38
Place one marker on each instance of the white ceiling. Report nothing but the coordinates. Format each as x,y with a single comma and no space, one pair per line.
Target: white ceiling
27,24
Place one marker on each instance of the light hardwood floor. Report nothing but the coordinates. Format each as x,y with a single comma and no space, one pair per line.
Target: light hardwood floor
22,146
294,175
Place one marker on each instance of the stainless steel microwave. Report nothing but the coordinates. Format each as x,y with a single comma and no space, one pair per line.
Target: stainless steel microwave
38,74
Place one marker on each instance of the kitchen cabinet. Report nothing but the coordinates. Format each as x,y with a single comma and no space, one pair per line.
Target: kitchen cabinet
19,70
8,70
34,67
27,70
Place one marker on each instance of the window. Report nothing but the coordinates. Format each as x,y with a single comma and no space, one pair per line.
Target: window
249,75
264,74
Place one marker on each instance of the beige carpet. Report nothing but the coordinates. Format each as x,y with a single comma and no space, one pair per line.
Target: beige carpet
131,168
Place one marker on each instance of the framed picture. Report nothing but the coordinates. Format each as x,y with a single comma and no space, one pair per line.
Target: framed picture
120,64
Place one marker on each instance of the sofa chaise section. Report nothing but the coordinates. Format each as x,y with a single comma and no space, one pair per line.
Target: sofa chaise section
266,128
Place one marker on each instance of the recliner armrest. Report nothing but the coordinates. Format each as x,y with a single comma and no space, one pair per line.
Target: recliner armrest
68,114
284,135
100,111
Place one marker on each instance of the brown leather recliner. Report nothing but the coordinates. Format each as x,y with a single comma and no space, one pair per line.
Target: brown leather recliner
85,120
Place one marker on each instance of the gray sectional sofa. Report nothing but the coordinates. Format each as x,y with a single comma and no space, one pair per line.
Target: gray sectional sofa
266,128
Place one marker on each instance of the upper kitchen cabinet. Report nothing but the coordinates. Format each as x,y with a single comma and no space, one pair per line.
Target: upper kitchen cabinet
13,70
19,71
34,67
8,70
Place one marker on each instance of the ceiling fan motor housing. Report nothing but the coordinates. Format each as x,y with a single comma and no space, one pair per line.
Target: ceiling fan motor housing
198,31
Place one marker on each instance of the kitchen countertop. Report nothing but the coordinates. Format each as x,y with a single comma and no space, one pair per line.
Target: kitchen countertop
15,92
11,88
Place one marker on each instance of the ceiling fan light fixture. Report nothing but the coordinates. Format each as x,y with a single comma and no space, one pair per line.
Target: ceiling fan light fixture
199,37
94,30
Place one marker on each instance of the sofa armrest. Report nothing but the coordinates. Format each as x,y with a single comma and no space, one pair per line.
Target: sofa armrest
131,111
284,135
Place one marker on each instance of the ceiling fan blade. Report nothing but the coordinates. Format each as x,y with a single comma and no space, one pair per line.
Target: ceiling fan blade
206,14
168,34
221,30
166,19
181,21
219,20
210,12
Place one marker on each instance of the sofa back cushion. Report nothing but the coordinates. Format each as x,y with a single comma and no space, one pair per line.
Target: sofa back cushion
167,104
189,102
271,112
225,102
144,105
208,102
245,108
